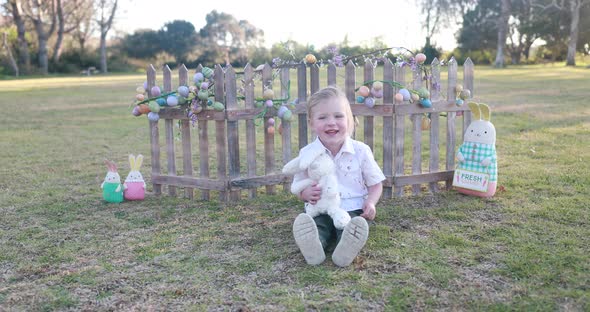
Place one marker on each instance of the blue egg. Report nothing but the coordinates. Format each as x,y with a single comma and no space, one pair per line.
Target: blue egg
161,102
183,91
459,102
405,93
360,99
172,100
153,116
425,103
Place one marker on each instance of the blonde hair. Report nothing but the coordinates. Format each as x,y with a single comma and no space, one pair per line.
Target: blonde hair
326,94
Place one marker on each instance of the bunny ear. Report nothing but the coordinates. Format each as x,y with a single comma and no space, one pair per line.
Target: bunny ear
486,114
292,167
138,161
131,162
108,164
309,157
475,110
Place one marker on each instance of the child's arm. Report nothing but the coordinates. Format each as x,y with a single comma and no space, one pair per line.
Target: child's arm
311,194
369,210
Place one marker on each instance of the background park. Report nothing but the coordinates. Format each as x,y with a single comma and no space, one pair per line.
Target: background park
67,90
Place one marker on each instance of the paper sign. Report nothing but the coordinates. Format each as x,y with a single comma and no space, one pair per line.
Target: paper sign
472,180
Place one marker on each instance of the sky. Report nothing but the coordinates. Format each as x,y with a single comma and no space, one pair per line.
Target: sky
318,23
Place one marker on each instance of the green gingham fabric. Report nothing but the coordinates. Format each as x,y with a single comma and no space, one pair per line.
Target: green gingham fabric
474,153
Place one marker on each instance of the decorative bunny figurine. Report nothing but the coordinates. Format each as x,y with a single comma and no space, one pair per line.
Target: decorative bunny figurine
112,189
321,169
134,183
477,169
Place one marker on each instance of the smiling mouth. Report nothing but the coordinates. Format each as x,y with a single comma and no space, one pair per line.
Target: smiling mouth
331,131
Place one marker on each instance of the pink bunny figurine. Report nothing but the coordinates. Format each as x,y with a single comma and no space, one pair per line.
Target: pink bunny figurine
134,183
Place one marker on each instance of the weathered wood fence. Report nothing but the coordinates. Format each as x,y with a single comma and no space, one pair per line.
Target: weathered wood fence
231,178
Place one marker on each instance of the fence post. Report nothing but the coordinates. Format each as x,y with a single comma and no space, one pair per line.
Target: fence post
154,133
220,134
388,126
233,140
187,160
269,141
250,124
434,121
452,83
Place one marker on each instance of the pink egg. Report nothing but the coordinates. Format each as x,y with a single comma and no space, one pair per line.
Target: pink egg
399,97
364,91
420,58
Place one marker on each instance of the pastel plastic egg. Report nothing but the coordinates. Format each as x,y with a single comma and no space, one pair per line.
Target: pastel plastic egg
218,106
364,91
459,102
207,72
198,77
155,91
370,102
205,85
287,115
426,103
423,92
415,97
270,130
268,94
161,101
209,102
259,104
465,94
378,85
360,99
183,91
310,59
143,108
145,85
172,100
203,94
458,88
271,122
154,107
182,100
405,93
197,109
399,97
140,89
153,116
282,111
420,58
192,89
268,103
135,111
377,93
140,97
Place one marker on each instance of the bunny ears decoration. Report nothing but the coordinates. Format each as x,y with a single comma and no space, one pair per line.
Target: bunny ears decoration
135,162
110,165
480,111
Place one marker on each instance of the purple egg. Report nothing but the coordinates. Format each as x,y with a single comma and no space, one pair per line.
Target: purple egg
198,77
204,85
183,91
156,91
269,103
282,111
172,100
370,102
377,93
153,116
145,85
405,93
136,111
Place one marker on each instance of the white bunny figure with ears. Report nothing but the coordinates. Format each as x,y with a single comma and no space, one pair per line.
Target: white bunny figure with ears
134,183
321,169
477,168
112,189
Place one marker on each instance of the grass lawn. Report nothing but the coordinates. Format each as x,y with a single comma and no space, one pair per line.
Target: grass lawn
63,248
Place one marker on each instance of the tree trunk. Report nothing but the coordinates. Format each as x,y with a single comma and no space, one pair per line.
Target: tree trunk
575,6
23,46
103,53
60,32
42,42
9,52
502,31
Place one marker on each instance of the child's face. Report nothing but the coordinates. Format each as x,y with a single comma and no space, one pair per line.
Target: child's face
330,123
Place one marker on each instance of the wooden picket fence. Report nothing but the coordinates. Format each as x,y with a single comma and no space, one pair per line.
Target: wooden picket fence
232,177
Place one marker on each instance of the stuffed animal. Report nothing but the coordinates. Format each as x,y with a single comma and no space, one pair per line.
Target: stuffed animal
477,168
112,189
134,183
321,169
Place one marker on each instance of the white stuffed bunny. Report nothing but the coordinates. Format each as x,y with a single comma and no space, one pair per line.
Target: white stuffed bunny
477,168
134,183
321,169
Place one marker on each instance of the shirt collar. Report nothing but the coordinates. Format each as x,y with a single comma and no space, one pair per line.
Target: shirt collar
346,147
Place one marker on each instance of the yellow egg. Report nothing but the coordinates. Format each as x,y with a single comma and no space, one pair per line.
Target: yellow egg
458,88
268,94
140,89
310,59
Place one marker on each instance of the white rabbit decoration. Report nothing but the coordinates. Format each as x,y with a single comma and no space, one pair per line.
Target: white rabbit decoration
321,169
134,183
477,168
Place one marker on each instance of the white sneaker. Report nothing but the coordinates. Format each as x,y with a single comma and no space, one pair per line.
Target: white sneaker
308,240
354,237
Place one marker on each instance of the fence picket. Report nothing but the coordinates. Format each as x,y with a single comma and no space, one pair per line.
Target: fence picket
250,125
269,138
154,134
388,91
220,135
285,125
434,122
233,140
368,121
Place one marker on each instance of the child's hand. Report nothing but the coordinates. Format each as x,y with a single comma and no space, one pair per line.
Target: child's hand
311,194
369,210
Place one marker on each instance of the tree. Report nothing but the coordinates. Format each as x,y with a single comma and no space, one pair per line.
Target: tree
144,43
9,53
23,45
178,38
480,27
69,15
106,10
44,18
438,14
502,33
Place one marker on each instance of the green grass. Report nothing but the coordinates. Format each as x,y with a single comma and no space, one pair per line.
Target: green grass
62,247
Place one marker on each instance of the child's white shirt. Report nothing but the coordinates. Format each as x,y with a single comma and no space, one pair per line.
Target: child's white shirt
356,169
